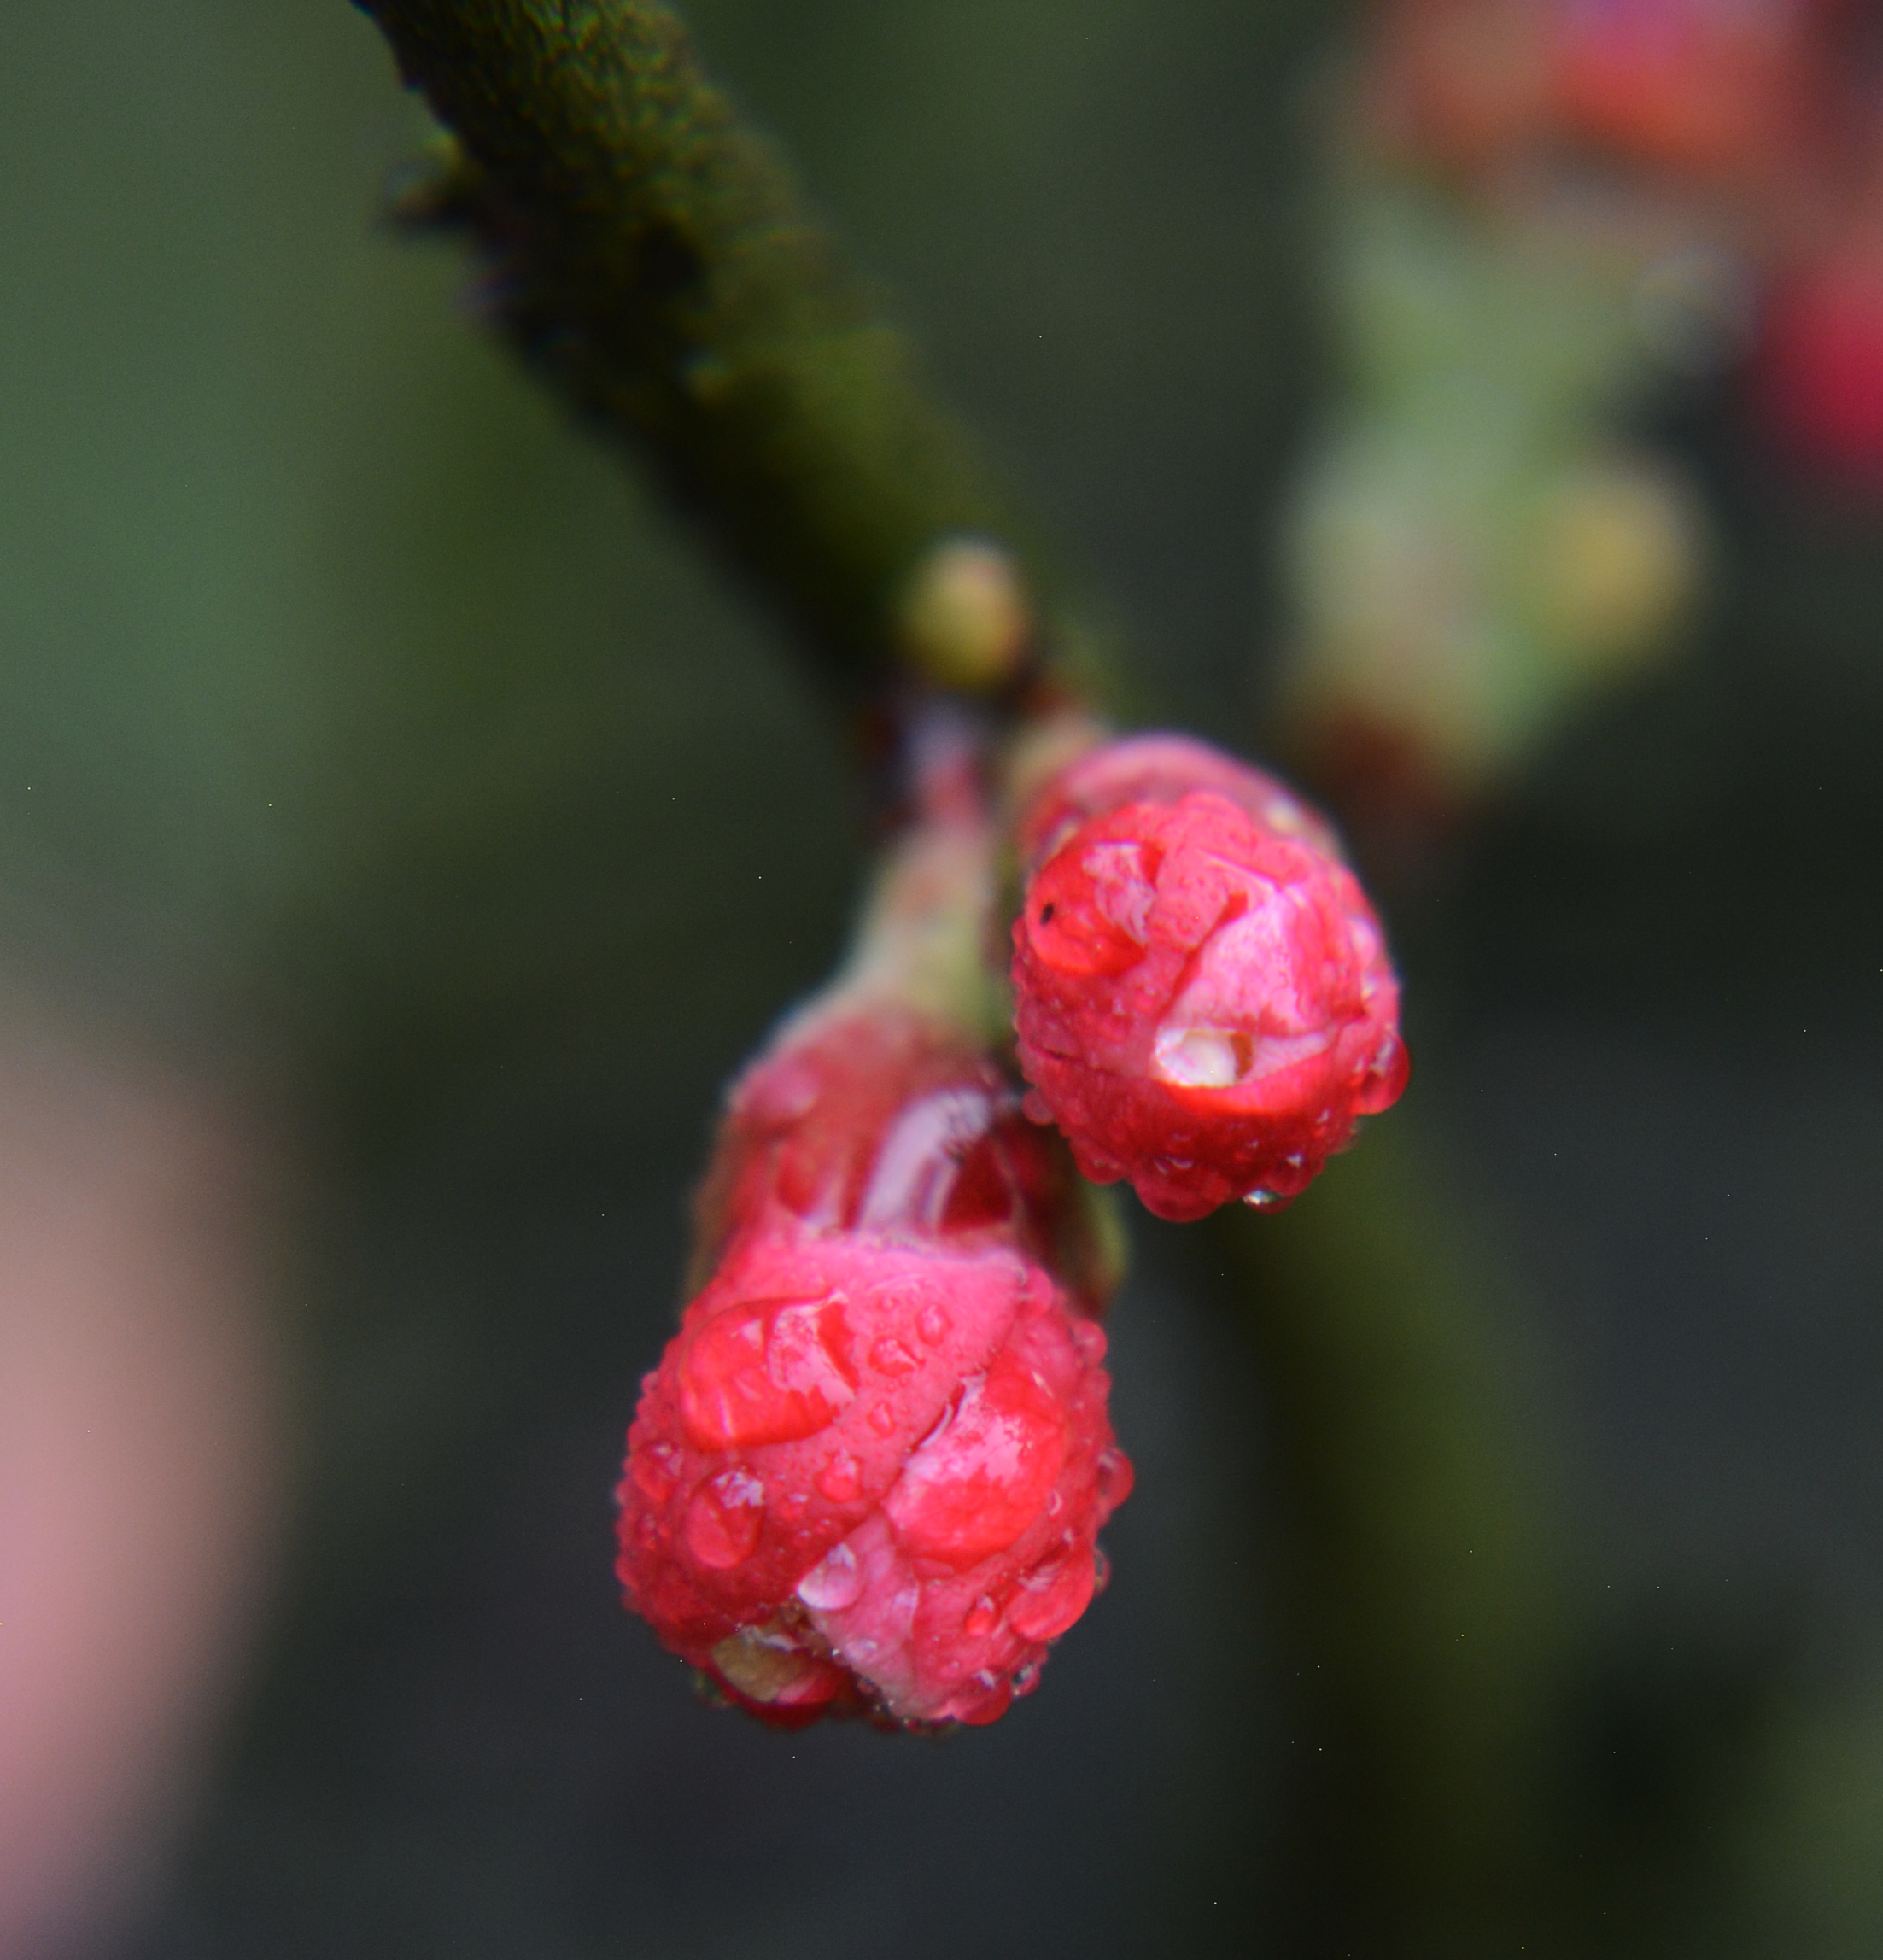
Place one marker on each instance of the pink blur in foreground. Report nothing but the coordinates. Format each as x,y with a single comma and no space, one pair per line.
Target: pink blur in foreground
137,1474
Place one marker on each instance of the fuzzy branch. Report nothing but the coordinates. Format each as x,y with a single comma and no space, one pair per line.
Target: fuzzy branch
652,259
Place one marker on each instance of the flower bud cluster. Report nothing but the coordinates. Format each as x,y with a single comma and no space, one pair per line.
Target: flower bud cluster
869,1474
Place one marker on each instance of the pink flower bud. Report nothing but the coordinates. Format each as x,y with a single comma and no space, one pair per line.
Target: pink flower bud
870,1473
1201,992
885,1124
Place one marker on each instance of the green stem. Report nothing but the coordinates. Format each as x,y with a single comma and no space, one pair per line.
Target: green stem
1424,1623
927,924
652,258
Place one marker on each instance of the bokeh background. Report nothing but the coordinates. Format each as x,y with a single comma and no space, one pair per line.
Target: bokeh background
404,832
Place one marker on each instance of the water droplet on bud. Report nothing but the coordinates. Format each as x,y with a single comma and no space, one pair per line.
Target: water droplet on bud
769,1370
1051,1597
932,1324
1115,1480
835,1582
976,1482
1263,1199
838,1480
890,1357
723,1519
654,1471
983,1616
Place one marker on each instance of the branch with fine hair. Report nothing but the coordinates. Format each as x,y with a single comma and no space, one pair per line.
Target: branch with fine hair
652,258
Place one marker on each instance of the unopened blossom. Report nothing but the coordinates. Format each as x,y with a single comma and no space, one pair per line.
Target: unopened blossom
1203,995
870,1473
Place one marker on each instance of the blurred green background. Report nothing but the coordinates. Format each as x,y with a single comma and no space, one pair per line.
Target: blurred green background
370,745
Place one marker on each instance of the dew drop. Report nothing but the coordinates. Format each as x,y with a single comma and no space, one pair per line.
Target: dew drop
723,1519
771,1371
933,1325
882,1419
1102,1570
836,1581
1026,1679
1089,1338
983,1616
1051,1597
654,1471
991,1702
1263,1199
976,1483
791,1507
890,1357
838,1480
1115,1478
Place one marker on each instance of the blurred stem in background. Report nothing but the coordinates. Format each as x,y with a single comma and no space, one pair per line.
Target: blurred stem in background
1484,1755
1425,1622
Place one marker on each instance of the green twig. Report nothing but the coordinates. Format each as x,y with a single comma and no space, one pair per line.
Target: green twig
1425,1621
652,257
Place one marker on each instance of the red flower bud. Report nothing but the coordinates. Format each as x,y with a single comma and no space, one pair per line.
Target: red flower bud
1203,995
883,1124
870,1470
